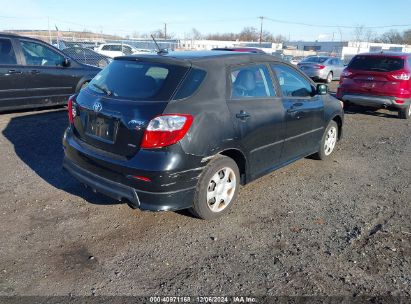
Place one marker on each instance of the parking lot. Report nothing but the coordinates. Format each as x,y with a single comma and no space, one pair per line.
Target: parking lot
338,227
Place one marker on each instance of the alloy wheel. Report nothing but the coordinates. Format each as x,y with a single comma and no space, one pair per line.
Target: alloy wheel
330,141
221,189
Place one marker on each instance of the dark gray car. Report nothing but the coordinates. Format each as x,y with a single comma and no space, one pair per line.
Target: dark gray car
322,68
184,129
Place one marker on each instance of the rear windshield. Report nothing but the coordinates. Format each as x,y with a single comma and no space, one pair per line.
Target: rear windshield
138,80
376,63
315,59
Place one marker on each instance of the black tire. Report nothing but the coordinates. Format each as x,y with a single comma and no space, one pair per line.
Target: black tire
201,208
347,105
329,78
322,154
405,113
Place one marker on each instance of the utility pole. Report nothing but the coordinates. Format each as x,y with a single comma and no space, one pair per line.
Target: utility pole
261,28
165,31
48,26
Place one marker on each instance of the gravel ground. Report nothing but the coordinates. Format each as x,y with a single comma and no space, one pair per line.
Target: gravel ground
338,227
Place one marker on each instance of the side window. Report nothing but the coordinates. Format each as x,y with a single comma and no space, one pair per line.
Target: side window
116,48
38,54
192,82
251,82
127,50
7,55
291,82
106,48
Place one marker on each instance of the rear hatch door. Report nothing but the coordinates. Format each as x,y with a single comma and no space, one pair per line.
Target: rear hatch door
374,74
117,105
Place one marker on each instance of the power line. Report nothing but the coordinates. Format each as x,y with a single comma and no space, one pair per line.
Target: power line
334,26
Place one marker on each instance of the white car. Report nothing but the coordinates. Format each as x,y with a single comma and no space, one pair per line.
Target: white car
115,49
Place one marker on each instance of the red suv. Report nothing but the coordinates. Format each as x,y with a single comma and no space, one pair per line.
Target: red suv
381,80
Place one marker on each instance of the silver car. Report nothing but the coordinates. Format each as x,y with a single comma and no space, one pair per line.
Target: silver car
322,68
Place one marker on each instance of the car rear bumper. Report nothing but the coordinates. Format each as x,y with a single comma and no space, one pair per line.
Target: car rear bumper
316,73
152,201
172,175
376,101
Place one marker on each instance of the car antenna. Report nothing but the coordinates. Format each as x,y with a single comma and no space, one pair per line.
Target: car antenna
160,51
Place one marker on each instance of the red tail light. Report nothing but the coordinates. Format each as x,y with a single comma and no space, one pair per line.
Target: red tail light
346,73
70,109
402,76
142,178
166,130
319,66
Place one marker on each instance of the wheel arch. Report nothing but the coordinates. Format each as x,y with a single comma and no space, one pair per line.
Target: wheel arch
239,159
82,81
338,120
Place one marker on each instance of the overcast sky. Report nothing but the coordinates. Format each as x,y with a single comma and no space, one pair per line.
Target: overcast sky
329,18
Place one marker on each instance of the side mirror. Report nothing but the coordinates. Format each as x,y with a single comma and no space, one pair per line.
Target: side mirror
322,89
66,62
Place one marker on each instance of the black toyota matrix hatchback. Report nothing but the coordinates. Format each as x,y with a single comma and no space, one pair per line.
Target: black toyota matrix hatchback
184,129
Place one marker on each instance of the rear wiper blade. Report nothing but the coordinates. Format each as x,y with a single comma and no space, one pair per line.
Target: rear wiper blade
379,69
105,90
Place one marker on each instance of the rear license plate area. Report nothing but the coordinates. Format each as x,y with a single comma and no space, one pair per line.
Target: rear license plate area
368,85
102,128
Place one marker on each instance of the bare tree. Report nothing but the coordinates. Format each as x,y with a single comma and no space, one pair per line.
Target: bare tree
359,33
392,36
249,34
369,35
407,36
158,33
223,36
195,34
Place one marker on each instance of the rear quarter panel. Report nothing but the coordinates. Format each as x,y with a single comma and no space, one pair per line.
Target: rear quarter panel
212,129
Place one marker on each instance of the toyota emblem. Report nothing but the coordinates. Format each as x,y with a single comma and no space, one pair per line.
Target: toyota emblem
97,107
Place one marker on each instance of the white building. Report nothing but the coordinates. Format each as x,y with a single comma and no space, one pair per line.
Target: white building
191,44
343,49
354,48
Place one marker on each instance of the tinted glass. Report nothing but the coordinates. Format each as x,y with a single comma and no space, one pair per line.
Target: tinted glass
192,82
138,80
291,82
315,59
251,82
7,55
127,50
38,54
376,63
106,48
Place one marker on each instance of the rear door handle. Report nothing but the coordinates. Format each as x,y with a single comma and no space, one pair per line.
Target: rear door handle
243,115
35,72
295,107
14,72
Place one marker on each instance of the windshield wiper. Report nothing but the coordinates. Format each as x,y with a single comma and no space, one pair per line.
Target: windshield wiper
379,69
103,89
